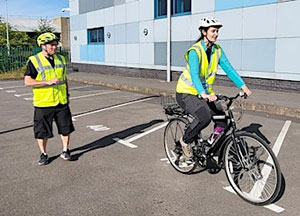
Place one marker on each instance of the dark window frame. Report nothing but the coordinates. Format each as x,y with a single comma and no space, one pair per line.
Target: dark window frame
96,35
178,8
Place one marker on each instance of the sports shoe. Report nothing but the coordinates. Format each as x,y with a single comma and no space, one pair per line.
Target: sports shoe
186,148
43,159
66,155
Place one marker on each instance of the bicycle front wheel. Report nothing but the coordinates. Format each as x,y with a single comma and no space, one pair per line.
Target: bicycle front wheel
173,132
252,169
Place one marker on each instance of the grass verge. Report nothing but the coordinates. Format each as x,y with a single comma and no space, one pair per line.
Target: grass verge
13,75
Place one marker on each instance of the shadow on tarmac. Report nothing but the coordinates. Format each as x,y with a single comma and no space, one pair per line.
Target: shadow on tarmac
108,140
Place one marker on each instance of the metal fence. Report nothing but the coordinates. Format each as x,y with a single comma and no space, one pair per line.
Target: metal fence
18,56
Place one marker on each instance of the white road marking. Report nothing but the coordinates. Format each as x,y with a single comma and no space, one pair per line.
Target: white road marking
259,185
11,91
80,87
10,87
112,107
30,93
19,95
165,159
147,132
8,82
98,127
271,207
91,95
83,96
128,141
123,142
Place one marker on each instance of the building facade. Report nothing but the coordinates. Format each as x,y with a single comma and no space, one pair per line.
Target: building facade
129,37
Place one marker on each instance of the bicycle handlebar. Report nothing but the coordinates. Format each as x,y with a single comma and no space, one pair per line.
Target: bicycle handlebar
226,98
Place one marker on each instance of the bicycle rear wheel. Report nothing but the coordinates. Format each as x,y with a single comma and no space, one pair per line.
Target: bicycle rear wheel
173,132
252,169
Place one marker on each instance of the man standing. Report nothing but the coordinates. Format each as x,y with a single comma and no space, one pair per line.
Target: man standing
46,74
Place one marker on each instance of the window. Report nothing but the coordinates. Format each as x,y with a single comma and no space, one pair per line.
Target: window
181,6
178,7
96,35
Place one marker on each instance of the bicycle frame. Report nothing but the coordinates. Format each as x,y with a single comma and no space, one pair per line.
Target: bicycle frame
229,133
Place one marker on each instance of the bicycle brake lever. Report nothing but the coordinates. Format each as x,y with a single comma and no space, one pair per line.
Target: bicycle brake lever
243,95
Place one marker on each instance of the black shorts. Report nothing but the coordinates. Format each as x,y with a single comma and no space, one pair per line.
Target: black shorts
43,119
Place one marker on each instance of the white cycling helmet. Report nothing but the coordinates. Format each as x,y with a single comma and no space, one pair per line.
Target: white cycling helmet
209,22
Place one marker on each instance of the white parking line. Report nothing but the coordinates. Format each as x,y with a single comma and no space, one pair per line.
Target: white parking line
10,87
259,185
123,142
128,141
80,87
147,132
11,91
272,207
91,95
112,107
83,96
98,127
8,82
74,88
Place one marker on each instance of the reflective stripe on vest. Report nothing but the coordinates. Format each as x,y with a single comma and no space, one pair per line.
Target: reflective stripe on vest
190,83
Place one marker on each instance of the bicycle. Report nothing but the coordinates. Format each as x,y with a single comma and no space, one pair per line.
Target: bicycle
250,165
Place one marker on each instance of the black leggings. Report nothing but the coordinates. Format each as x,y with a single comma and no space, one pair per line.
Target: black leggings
202,111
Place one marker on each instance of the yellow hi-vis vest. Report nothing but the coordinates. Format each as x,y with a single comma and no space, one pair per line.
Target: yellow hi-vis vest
207,72
48,96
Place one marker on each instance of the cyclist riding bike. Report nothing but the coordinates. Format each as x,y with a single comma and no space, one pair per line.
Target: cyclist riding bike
194,92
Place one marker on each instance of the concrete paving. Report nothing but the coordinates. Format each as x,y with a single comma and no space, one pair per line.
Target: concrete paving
271,102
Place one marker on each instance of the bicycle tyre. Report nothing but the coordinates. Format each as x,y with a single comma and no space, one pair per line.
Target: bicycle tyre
172,134
263,172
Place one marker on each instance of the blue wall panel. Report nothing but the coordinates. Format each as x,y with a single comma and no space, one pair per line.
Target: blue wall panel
83,53
93,53
227,4
248,3
231,4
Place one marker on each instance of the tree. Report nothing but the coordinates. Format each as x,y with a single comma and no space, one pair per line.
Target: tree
16,38
44,25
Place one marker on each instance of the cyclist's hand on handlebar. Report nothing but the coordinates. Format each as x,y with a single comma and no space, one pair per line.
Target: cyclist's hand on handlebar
246,90
209,98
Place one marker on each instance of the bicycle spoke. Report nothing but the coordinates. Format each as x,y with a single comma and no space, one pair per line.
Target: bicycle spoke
257,180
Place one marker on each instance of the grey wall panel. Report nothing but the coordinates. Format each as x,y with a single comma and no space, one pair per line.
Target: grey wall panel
233,51
120,34
160,53
258,55
118,2
109,34
101,4
132,33
92,5
178,50
86,5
